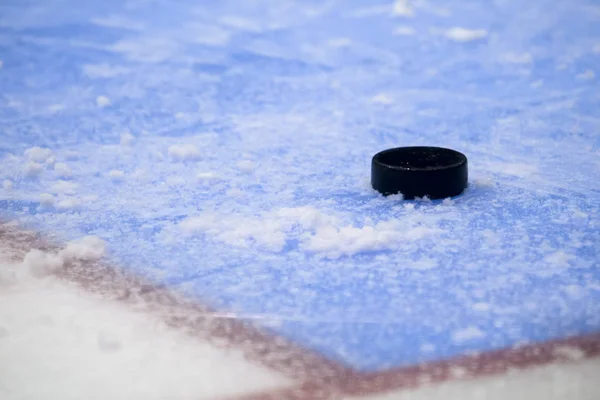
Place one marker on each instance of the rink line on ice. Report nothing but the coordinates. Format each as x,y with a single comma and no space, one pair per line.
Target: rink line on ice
316,376
220,329
356,384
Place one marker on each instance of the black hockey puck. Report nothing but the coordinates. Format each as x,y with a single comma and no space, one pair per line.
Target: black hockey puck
434,172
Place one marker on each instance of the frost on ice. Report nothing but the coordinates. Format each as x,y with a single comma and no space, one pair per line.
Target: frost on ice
465,35
127,139
41,263
116,175
278,201
33,169
382,98
246,166
404,31
184,152
62,170
102,101
47,200
38,154
402,8
467,334
586,75
207,177
68,204
62,186
317,232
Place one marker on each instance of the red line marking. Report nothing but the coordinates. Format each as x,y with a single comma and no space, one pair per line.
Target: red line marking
317,376
351,383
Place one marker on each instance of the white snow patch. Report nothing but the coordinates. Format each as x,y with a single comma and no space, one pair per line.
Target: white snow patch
240,23
71,155
141,175
537,84
594,286
491,238
8,277
246,166
184,152
559,258
369,11
87,248
90,248
116,175
458,372
517,58
108,342
570,353
465,35
50,327
33,169
207,177
102,101
119,21
157,155
484,182
68,204
210,35
56,107
7,184
89,198
269,236
586,75
38,154
41,264
62,170
316,232
46,200
409,207
147,48
339,42
579,214
515,169
427,348
175,181
334,242
64,187
424,263
239,232
126,139
235,192
467,334
270,232
574,291
484,307
103,70
403,8
14,103
404,31
382,98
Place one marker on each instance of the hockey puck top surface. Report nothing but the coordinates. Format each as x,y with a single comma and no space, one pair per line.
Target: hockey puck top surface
414,172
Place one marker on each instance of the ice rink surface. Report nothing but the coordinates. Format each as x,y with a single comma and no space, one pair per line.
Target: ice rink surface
218,153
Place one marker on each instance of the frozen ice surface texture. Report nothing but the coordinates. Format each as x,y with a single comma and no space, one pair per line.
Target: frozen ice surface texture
223,149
